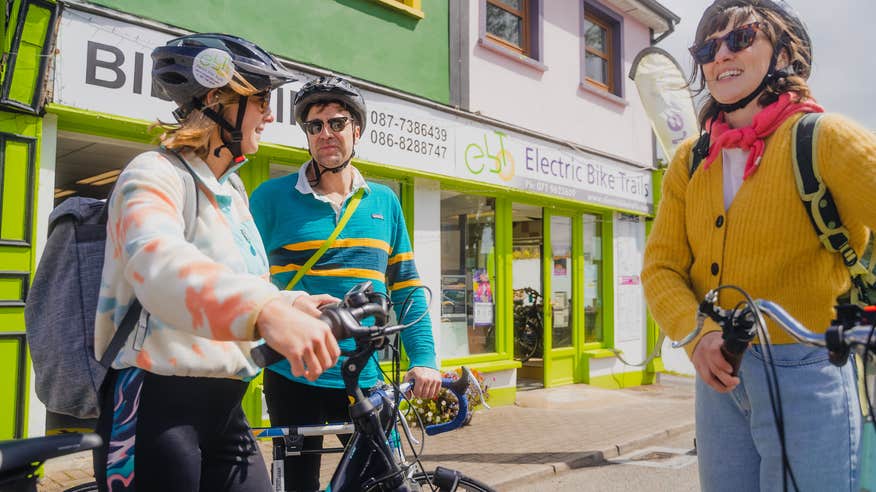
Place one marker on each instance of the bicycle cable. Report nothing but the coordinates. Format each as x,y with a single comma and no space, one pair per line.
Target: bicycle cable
770,375
868,354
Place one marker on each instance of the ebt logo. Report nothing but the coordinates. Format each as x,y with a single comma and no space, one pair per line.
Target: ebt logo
478,158
213,68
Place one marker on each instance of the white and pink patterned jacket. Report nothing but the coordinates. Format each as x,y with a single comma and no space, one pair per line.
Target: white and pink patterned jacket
200,298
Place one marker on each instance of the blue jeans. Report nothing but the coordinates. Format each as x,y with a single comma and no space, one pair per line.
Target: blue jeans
737,444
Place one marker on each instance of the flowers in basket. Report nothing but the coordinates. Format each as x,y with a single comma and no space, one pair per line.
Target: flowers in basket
444,408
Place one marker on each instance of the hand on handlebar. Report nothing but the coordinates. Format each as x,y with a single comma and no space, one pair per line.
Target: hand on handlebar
304,340
428,382
711,365
312,304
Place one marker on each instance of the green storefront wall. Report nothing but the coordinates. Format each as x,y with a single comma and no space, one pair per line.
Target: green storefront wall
367,39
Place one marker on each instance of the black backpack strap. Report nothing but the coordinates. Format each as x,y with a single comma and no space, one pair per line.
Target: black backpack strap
121,335
699,152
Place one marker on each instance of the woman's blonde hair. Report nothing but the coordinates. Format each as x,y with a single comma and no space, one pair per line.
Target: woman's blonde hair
193,132
774,26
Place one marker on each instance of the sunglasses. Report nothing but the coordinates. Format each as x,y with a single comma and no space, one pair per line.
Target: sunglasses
737,40
314,127
263,99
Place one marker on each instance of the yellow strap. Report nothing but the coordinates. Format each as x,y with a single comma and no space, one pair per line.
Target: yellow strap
351,207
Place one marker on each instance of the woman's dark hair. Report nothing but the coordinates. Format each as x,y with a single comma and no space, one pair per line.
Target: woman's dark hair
781,35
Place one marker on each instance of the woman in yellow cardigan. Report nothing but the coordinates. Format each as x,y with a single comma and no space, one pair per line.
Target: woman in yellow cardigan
738,219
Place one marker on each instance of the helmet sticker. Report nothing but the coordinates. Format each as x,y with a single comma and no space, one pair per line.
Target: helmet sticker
213,68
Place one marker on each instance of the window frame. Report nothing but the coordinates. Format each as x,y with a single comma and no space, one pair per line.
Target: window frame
523,15
531,53
607,55
612,23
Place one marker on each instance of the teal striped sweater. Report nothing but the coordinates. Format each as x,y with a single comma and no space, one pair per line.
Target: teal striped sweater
373,246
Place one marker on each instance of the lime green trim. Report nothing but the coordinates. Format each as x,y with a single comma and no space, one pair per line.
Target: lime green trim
607,280
547,263
103,124
504,291
408,201
500,397
577,293
599,353
488,366
620,380
474,360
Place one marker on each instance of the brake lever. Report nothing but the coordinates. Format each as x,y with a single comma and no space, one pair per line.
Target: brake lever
706,310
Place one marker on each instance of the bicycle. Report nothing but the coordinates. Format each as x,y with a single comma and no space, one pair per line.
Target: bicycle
528,323
373,459
21,458
853,329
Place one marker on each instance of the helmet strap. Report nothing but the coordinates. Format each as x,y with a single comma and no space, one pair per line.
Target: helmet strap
234,142
319,169
771,74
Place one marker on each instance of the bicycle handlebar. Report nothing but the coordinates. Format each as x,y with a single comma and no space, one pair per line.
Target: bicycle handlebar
25,455
853,325
344,320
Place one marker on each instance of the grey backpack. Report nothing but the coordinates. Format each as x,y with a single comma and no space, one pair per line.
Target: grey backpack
62,302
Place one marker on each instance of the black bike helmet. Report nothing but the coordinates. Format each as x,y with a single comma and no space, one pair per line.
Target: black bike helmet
173,72
326,89
330,88
784,10
188,67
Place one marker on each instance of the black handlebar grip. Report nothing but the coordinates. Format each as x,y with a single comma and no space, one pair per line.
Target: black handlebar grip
264,356
733,357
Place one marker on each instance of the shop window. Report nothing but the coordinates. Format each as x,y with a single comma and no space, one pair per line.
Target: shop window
593,316
526,280
468,275
561,281
602,49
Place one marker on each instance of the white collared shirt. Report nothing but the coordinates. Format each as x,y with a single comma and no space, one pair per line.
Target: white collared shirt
303,186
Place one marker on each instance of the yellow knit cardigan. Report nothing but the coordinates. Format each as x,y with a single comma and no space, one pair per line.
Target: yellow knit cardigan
764,242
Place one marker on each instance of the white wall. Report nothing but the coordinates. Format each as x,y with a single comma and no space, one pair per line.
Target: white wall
630,320
551,101
427,247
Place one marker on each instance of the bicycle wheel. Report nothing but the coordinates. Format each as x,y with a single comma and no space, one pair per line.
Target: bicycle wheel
426,482
85,487
525,342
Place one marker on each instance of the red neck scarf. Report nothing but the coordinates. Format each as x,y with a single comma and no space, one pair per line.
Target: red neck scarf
751,138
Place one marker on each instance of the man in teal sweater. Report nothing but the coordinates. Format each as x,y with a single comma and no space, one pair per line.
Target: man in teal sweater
295,214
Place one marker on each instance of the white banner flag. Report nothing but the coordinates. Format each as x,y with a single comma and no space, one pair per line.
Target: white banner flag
667,100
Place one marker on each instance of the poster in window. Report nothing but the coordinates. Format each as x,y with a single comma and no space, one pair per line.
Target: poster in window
560,267
483,313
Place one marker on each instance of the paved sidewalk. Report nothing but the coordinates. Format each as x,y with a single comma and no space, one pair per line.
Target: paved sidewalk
549,431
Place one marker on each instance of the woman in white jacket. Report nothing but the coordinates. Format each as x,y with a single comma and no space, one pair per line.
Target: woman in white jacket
171,417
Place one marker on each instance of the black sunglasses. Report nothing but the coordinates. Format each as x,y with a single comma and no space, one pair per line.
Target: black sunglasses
737,40
263,99
314,127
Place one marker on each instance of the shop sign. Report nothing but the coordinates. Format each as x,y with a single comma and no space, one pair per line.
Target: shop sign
103,65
